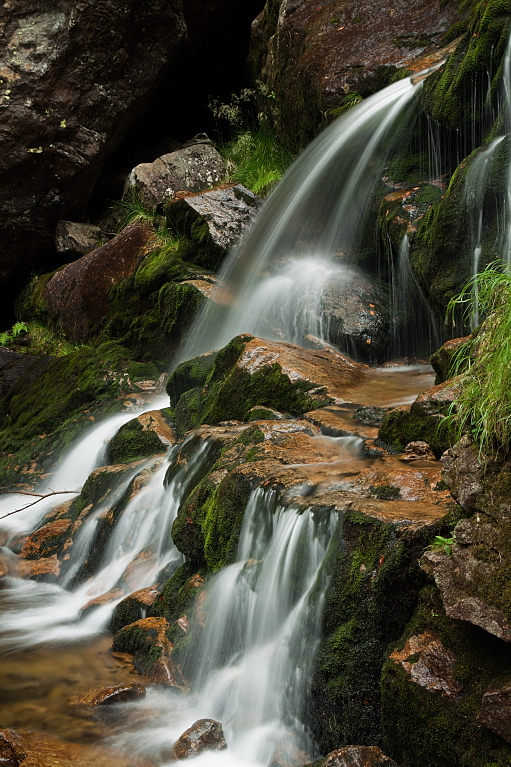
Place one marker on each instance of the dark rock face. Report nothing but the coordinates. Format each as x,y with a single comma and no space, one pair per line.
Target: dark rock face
441,361
495,711
76,239
77,295
190,169
312,55
76,77
358,756
205,734
474,579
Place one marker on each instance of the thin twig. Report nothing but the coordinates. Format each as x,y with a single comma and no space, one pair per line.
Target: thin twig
39,496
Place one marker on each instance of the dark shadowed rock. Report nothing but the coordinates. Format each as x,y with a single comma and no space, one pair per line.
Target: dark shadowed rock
358,756
441,361
203,735
311,55
77,295
495,711
76,77
114,693
429,664
132,608
76,239
190,169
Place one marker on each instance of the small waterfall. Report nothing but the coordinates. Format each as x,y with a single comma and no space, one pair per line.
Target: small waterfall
140,547
251,663
307,231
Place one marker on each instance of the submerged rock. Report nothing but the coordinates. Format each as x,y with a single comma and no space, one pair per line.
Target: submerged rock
203,735
114,693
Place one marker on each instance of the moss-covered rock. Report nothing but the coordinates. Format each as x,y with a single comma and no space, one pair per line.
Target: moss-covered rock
251,371
51,404
435,729
443,359
134,441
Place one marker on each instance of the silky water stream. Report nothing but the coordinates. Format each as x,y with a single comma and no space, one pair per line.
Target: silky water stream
252,665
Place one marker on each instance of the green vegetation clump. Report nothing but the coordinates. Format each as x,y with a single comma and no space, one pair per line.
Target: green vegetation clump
256,158
131,443
483,407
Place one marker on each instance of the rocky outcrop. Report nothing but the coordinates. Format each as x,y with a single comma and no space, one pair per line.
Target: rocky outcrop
473,578
442,360
195,167
144,436
75,78
251,371
77,295
495,711
212,221
106,696
317,60
429,664
203,735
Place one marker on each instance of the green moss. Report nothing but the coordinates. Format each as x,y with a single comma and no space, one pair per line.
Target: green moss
427,728
371,599
400,426
131,443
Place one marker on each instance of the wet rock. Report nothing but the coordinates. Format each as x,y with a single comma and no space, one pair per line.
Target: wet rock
356,316
76,239
251,371
203,735
13,366
418,451
339,421
422,421
312,56
258,413
358,756
441,361
114,693
370,416
77,295
147,640
132,608
148,434
76,78
40,749
191,169
213,221
46,540
433,668
495,711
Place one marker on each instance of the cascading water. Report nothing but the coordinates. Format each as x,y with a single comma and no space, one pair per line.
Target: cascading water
306,232
251,663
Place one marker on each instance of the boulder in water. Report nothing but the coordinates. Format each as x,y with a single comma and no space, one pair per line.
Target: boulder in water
144,436
114,693
192,168
132,608
203,735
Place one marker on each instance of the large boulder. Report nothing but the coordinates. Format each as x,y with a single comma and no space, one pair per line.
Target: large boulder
75,78
311,57
77,295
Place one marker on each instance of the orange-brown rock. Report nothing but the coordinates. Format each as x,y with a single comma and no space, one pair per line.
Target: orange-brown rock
39,749
433,669
46,540
132,608
77,295
154,421
150,635
114,693
358,756
203,735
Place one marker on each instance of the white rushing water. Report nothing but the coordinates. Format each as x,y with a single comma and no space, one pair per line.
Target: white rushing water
251,664
306,231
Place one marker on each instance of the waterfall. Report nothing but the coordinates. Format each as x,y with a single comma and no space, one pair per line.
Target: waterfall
251,663
307,231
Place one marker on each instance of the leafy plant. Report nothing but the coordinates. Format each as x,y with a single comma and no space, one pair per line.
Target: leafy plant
483,406
256,159
440,542
17,329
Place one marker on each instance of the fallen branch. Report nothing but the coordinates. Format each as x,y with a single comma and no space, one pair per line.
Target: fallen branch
39,496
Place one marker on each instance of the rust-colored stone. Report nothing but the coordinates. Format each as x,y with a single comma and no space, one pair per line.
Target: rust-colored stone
114,693
203,735
434,668
45,540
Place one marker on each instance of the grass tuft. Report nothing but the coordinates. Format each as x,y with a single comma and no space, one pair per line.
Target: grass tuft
256,159
483,408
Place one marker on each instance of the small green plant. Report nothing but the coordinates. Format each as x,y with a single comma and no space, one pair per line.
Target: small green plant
16,331
352,99
440,542
133,209
256,159
483,365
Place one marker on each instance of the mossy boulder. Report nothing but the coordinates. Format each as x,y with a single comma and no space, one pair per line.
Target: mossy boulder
140,438
251,371
53,401
443,359
424,420
431,727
